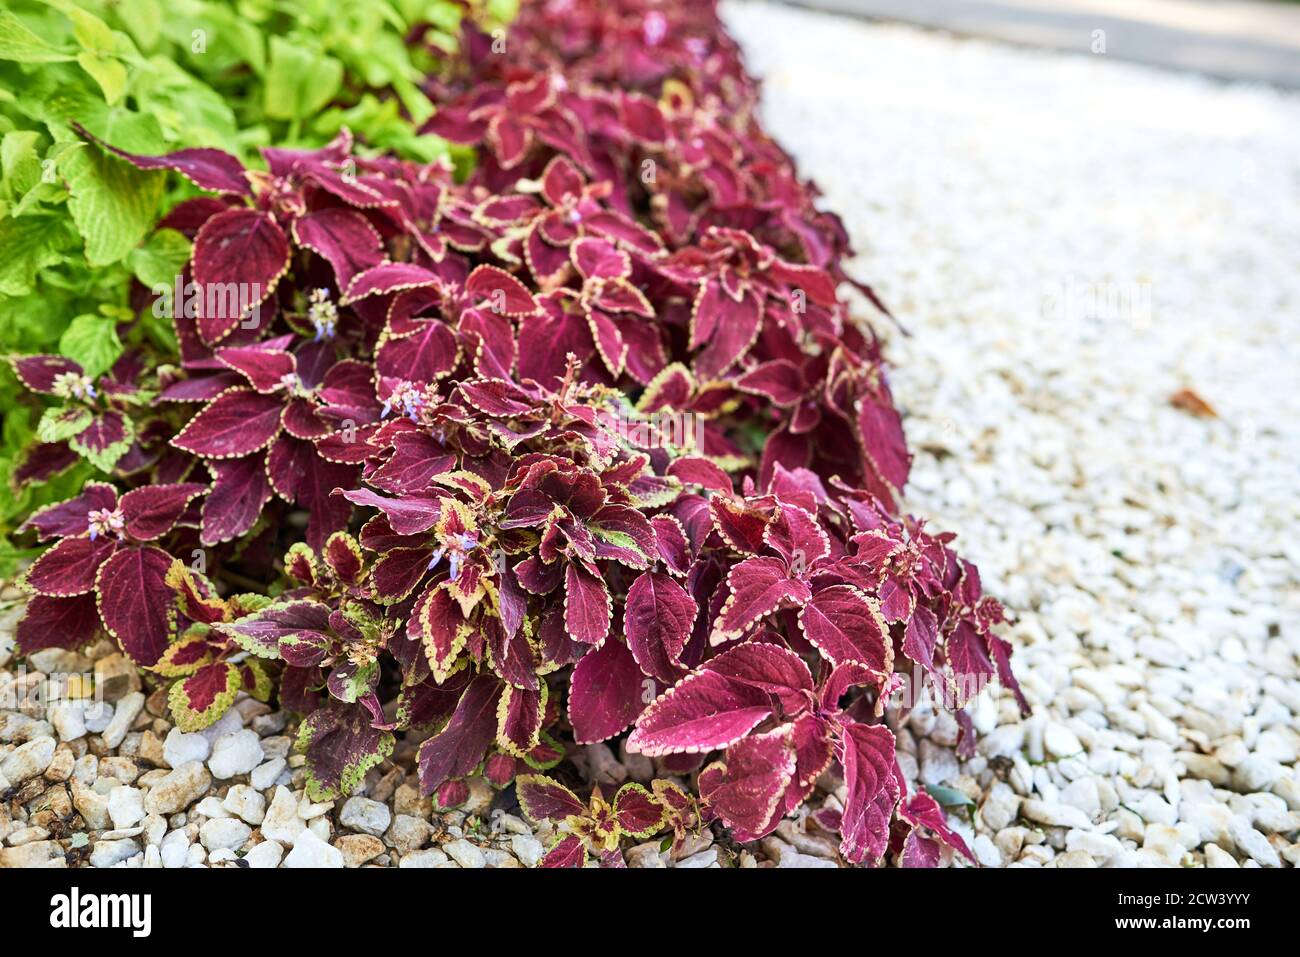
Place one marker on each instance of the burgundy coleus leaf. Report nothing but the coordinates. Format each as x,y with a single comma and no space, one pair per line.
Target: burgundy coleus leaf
801,487
561,181
388,278
264,366
348,446
41,461
851,674
515,661
548,753
458,748
769,668
341,745
527,508
842,623
342,555
265,632
240,490
608,338
741,524
198,700
546,338
105,440
747,790
520,713
50,375
636,812
815,282
623,534
186,655
499,292
239,257
600,259
621,229
427,354
896,599
196,598
780,381
343,238
538,577
205,167
658,618
883,443
795,535
568,851
67,623
968,658
866,753
556,646
236,423
409,515
300,689
135,602
498,211
758,586
498,398
188,216
920,637
704,711
72,518
920,809
512,601
606,692
200,388
621,296
587,608
354,683
695,470
153,510
1000,649
491,340
919,851
543,799
812,738
671,544
450,794
70,567
549,264
726,327
397,572
499,770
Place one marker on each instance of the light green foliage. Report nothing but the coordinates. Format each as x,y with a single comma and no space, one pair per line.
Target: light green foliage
92,340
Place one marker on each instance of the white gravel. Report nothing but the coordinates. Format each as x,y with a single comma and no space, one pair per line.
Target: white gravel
1071,241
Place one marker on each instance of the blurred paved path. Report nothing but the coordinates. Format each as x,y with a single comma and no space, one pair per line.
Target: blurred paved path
1231,39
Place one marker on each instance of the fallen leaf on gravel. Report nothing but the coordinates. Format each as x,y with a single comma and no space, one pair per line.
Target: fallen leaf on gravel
1190,402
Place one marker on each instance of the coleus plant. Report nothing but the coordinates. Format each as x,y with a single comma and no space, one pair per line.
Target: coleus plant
598,827
93,420
781,731
105,572
577,447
